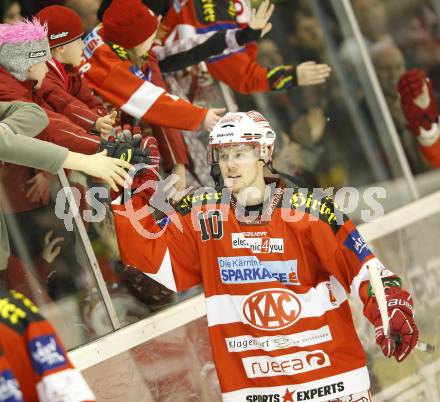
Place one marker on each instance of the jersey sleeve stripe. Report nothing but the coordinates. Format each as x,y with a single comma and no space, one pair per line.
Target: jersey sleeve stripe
358,279
165,275
142,100
64,385
97,140
363,276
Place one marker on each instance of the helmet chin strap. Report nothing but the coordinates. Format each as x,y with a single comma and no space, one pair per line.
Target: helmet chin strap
217,176
295,181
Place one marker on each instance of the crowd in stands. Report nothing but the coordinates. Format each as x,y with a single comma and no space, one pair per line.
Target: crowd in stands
118,75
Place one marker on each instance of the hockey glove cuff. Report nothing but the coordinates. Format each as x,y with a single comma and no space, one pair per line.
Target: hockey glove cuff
403,330
282,78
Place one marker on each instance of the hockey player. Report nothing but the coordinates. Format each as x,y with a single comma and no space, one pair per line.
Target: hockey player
34,366
419,106
277,265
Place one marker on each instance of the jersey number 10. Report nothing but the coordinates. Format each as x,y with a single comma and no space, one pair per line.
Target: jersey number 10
213,219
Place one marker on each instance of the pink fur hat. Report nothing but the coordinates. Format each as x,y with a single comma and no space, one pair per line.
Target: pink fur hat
22,45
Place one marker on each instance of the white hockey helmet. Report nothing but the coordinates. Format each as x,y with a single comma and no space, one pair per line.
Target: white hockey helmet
250,128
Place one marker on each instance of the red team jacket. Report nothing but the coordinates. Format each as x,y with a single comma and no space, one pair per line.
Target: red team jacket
140,94
66,93
276,293
127,88
239,68
60,131
34,366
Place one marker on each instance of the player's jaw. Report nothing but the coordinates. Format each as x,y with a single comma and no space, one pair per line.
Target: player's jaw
243,177
234,183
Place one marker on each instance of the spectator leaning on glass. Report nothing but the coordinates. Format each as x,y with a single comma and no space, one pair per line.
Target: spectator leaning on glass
277,266
24,50
121,68
19,122
237,68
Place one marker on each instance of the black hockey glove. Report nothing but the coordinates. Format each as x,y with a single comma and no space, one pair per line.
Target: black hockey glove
128,149
282,78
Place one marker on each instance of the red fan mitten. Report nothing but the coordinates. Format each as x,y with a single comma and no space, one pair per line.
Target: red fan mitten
419,112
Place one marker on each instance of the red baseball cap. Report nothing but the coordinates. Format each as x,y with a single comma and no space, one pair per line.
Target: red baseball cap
63,24
128,23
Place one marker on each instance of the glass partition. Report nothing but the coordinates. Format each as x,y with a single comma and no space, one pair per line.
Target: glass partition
48,263
399,35
176,366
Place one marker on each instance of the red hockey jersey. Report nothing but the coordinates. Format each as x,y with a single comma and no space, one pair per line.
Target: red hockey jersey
276,292
237,68
34,366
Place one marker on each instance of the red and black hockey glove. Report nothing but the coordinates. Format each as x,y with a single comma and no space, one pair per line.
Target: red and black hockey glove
410,87
148,174
282,78
403,330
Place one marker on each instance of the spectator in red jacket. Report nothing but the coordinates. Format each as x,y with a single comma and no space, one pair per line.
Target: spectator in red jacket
63,88
238,68
24,49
